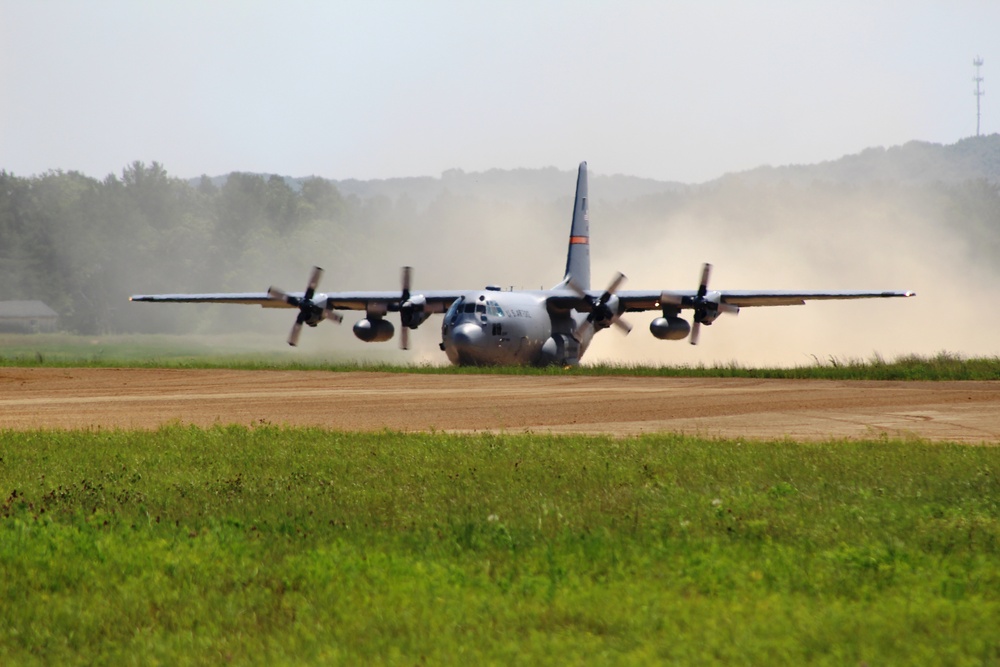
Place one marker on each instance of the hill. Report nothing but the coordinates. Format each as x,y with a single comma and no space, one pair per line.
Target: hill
912,163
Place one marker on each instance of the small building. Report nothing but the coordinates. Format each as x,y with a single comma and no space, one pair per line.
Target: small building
27,317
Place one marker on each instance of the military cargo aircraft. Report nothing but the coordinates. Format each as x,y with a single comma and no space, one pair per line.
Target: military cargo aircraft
540,327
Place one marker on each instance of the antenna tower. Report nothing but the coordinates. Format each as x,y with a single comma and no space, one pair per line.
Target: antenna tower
978,62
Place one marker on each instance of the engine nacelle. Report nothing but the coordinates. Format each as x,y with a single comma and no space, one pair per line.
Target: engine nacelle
414,319
414,311
606,313
374,330
670,328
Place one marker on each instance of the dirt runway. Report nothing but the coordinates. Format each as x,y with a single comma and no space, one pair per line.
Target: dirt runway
800,409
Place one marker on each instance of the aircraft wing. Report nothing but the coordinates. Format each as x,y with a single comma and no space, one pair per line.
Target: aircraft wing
631,300
791,298
251,298
634,300
437,299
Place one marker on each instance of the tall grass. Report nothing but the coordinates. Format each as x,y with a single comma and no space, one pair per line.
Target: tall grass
273,545
64,350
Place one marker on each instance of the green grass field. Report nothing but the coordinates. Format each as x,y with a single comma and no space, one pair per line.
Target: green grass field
300,546
258,352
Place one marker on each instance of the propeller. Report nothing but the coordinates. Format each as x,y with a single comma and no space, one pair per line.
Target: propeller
413,309
600,311
406,309
707,305
309,312
701,306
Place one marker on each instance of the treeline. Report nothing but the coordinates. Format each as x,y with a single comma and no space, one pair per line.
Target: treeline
83,245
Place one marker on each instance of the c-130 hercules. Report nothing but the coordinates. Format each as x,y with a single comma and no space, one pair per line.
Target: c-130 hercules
523,327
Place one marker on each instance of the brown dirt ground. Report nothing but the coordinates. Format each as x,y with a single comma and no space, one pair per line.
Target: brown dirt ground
799,409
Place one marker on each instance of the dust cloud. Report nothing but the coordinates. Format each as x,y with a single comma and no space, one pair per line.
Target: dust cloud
818,236
824,240
861,243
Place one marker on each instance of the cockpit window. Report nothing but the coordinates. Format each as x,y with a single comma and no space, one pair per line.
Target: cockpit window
454,310
460,306
493,309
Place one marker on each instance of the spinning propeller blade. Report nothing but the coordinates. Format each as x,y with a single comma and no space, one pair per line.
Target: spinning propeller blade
309,312
707,309
706,306
599,309
405,308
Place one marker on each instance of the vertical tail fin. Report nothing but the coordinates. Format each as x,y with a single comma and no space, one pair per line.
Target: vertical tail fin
578,255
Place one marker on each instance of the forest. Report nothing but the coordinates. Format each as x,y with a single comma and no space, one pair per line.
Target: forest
83,245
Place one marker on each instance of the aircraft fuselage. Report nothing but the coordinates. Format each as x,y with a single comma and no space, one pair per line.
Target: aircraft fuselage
491,327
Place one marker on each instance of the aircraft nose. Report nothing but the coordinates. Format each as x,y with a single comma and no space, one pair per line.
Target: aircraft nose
466,337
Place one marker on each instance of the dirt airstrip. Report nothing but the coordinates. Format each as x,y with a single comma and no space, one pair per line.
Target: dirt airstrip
800,409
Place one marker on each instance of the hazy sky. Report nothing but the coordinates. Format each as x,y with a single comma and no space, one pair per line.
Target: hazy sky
681,91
